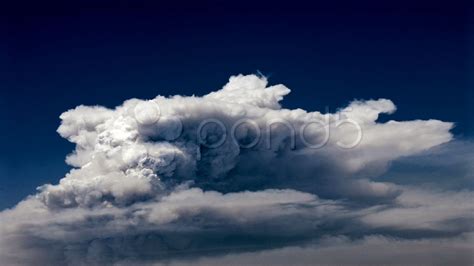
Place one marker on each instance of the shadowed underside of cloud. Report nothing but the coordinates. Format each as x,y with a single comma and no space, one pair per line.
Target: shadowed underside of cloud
371,250
232,176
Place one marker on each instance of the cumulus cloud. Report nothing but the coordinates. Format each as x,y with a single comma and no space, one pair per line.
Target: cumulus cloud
232,170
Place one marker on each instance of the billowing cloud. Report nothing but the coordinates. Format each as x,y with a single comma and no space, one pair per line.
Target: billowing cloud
232,170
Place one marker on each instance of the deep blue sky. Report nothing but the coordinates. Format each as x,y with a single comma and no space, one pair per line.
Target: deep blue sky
418,54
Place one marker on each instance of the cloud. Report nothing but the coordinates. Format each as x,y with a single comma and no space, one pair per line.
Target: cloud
183,176
427,210
114,149
188,220
371,250
448,166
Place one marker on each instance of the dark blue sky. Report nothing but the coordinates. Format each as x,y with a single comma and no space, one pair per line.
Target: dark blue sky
418,54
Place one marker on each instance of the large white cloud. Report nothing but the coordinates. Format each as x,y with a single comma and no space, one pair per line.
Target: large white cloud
120,159
232,168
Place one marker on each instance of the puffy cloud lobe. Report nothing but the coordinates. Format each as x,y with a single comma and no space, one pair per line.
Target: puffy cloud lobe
250,90
148,181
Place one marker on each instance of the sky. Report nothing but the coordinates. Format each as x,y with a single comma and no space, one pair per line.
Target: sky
418,54
58,56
